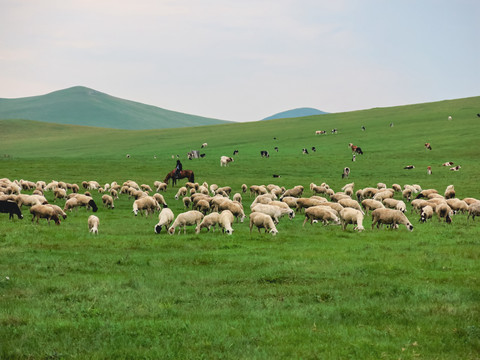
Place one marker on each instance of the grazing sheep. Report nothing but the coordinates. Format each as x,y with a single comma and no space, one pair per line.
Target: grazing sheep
237,197
165,218
203,206
58,210
30,200
244,188
390,217
397,188
350,203
187,200
473,210
234,207
225,160
93,223
425,193
225,221
426,213
160,186
81,200
450,192
318,189
147,204
290,201
296,191
444,211
210,220
346,172
458,205
339,196
391,203
273,211
59,193
418,204
160,199
44,212
181,192
322,213
262,221
334,206
204,145
107,201
305,203
407,194
192,217
70,204
370,204
351,216
384,194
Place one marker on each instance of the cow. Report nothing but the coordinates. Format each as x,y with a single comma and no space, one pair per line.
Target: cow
264,153
235,152
10,207
409,167
305,151
428,146
346,172
314,148
455,168
320,132
448,163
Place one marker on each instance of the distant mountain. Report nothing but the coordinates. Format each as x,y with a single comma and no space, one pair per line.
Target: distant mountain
294,113
83,106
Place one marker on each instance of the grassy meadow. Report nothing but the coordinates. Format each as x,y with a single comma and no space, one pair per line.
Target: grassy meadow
313,292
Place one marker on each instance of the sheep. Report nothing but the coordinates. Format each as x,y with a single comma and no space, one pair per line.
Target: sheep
264,221
473,210
367,193
305,203
407,194
203,206
187,200
370,204
160,186
296,191
397,188
71,204
351,216
384,194
58,210
204,145
107,201
93,223
426,213
450,192
350,203
181,192
237,197
470,200
274,211
390,217
224,160
234,207
165,218
44,212
457,205
425,193
334,206
290,201
391,203
148,203
146,187
192,217
444,211
322,213
225,189
59,193
210,220
318,189
87,201
225,221
244,188
30,200
418,204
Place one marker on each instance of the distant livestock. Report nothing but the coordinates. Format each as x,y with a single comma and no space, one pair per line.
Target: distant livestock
428,146
346,172
264,153
334,131
93,223
355,149
314,149
10,207
409,167
449,118
320,132
429,170
455,168
305,151
276,148
225,160
204,145
448,163
235,152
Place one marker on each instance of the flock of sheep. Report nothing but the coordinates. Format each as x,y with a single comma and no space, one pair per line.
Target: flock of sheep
208,206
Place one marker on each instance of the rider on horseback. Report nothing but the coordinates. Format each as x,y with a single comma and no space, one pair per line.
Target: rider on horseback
178,168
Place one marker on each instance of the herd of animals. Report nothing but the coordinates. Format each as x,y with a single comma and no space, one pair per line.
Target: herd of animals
210,206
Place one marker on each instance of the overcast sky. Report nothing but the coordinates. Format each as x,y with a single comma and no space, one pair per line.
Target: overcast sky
244,60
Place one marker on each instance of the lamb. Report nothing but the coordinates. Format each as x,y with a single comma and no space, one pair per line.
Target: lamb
264,221
44,212
350,203
274,211
426,213
390,217
444,211
93,223
107,201
210,220
473,210
224,160
450,192
181,192
370,204
458,205
225,221
148,203
192,217
351,216
321,213
165,218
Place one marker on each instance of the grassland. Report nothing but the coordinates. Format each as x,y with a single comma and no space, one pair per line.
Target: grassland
313,292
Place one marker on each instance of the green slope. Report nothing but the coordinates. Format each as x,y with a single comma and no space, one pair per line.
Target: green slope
83,106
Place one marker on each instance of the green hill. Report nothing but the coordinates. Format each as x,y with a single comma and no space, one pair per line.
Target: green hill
83,106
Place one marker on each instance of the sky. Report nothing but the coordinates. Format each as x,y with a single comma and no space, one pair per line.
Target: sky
244,60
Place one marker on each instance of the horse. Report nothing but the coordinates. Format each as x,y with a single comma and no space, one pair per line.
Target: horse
183,174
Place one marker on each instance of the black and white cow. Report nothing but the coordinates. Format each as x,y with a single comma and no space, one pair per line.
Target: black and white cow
264,153
235,152
305,151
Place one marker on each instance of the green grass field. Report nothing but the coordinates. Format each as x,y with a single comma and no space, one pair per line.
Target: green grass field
309,292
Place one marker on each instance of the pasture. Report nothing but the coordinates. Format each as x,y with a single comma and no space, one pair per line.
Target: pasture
309,292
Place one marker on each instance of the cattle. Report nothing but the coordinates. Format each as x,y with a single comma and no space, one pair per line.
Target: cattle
356,149
320,132
276,148
10,207
346,172
314,148
448,163
264,153
363,128
409,167
428,146
455,168
235,152
334,131
305,151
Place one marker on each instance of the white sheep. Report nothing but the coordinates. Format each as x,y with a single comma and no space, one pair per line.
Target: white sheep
351,216
296,191
426,213
225,221
224,160
165,218
160,186
390,217
203,206
244,188
209,221
234,207
370,204
181,192
262,221
147,204
458,205
93,223
322,213
107,201
160,199
237,197
305,203
44,212
350,203
192,217
273,211
450,192
473,210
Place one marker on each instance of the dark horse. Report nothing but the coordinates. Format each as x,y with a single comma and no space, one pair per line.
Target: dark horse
183,174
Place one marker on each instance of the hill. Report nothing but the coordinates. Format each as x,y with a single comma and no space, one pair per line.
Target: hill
83,106
294,113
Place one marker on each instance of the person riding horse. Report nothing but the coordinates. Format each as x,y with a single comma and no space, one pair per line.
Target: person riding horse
178,168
